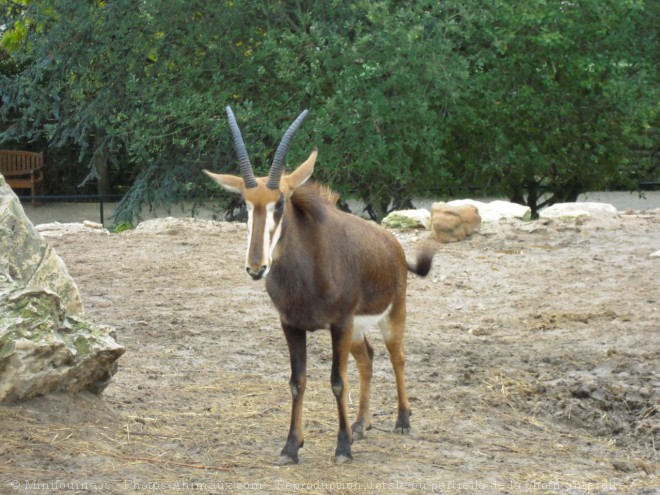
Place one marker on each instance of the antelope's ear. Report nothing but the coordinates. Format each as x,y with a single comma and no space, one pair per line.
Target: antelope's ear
302,174
230,182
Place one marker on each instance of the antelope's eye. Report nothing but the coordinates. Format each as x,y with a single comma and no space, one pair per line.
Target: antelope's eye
279,206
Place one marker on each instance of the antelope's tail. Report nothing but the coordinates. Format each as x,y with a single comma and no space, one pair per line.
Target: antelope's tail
424,261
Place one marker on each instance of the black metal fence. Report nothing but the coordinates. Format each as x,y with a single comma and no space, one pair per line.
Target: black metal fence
101,199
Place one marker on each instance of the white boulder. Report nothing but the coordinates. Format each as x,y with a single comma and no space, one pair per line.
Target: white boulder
57,229
496,210
576,210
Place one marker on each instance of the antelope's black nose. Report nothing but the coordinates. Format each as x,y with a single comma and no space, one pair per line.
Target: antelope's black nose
256,275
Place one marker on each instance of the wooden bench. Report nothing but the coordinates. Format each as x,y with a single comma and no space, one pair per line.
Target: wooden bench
23,170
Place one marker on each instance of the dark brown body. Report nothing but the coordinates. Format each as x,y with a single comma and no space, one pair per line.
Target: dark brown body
331,267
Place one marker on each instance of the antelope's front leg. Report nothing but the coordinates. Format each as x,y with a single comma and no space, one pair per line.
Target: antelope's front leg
297,341
341,346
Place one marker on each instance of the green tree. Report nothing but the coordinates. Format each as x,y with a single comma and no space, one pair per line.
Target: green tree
133,85
142,86
405,97
560,94
379,76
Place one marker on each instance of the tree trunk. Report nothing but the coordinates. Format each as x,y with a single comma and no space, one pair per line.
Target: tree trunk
104,186
533,198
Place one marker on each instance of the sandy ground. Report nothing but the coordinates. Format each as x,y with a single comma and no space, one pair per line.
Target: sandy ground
533,367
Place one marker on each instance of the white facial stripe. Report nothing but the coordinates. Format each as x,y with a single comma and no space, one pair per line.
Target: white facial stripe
250,221
274,241
268,228
271,234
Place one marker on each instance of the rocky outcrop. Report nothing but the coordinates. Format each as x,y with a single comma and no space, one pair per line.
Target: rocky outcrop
454,223
26,260
45,343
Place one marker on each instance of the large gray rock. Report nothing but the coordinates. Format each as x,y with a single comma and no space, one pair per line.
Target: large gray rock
45,343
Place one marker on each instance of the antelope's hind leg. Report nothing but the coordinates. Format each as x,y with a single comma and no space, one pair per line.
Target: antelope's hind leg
393,329
363,354
297,342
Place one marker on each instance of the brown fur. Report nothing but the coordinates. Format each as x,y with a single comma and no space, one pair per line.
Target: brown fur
312,199
425,253
331,267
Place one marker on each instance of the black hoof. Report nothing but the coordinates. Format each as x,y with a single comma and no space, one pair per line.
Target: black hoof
289,454
402,430
286,459
359,431
403,423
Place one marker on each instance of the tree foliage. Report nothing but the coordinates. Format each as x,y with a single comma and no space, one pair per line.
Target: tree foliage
566,92
406,97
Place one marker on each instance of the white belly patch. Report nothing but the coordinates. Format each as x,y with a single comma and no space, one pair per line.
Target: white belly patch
362,322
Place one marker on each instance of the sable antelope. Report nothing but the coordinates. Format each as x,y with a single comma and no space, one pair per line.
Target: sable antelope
324,269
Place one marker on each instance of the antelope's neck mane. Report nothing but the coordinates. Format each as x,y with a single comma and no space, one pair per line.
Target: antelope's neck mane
313,200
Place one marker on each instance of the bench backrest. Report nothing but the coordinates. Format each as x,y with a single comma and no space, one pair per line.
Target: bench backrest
14,163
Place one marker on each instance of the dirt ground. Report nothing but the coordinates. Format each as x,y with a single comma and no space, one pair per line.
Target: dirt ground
533,366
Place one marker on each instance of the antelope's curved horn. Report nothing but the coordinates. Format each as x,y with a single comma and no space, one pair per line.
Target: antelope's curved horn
278,161
241,151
